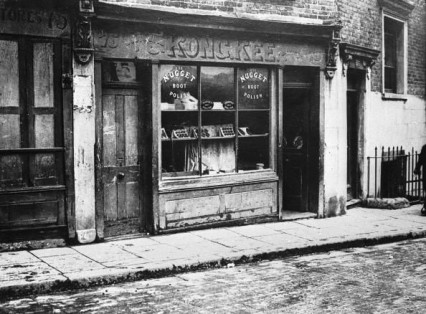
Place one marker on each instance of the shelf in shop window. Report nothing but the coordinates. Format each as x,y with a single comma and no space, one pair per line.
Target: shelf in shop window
218,138
253,135
180,110
183,139
253,110
196,138
212,138
218,110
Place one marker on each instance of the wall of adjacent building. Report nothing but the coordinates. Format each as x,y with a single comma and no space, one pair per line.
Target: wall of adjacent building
322,10
390,122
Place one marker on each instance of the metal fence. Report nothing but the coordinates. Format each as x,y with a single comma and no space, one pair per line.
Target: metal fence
390,174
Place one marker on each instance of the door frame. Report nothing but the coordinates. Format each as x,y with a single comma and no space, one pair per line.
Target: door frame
315,153
63,142
360,75
145,162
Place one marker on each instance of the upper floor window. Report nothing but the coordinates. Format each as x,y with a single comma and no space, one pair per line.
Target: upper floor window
394,56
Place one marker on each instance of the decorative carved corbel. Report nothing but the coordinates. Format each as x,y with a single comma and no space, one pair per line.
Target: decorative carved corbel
346,59
358,57
333,51
83,40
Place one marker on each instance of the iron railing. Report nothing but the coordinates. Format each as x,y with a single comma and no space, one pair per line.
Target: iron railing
390,174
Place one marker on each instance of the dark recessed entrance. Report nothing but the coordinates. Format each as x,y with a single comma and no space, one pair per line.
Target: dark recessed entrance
300,139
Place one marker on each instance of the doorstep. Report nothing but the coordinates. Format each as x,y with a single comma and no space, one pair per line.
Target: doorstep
355,202
295,215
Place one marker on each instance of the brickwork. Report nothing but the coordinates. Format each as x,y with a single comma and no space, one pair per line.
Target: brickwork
323,10
362,25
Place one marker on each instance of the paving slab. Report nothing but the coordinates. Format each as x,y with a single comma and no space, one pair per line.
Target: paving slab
279,226
104,252
241,242
71,263
254,231
144,257
18,258
60,251
27,273
282,240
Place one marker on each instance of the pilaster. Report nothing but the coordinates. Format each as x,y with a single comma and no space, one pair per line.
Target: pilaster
84,124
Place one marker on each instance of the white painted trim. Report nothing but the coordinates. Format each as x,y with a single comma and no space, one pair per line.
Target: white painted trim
383,50
405,30
86,236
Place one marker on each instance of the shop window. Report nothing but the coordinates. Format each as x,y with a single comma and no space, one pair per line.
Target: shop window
30,155
215,120
393,56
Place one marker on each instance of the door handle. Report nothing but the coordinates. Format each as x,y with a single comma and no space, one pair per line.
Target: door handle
120,175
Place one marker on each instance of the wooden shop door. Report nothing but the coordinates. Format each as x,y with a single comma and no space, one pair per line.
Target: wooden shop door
121,161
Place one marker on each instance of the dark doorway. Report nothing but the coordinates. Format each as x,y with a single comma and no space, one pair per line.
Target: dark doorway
300,139
355,79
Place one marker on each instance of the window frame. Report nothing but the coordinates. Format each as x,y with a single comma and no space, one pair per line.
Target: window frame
401,55
272,90
28,111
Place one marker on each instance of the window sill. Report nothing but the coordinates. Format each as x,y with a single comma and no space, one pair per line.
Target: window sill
206,182
393,96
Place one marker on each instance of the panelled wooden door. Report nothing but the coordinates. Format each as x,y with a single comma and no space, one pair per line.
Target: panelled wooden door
32,188
121,161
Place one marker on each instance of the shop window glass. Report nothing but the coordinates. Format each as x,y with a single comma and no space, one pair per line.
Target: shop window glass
10,165
217,121
253,88
253,122
9,74
225,130
28,122
179,87
10,138
43,75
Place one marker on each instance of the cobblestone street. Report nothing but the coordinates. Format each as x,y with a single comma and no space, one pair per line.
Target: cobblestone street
380,279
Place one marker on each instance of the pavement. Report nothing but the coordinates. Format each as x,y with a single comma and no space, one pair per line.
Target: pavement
109,262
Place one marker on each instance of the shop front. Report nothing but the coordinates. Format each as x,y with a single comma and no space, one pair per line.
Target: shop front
204,122
119,120
35,193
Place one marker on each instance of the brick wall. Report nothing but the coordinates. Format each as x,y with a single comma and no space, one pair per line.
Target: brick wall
362,25
314,9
